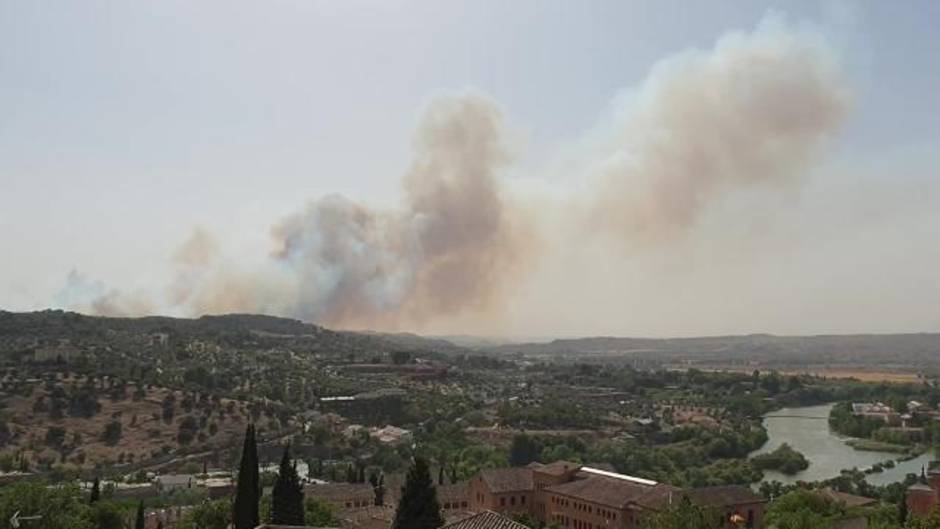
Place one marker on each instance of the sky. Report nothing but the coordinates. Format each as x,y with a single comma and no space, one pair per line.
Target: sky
180,157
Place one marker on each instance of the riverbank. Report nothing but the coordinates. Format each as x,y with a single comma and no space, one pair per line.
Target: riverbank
806,429
870,445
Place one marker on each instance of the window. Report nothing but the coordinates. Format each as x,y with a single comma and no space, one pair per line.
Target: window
502,502
512,500
522,500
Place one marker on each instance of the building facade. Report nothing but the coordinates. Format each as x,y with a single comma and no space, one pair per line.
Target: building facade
577,497
924,496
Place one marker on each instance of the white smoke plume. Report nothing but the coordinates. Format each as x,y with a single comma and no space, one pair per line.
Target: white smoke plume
758,108
450,247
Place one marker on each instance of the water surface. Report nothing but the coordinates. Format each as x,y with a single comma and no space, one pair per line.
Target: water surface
807,430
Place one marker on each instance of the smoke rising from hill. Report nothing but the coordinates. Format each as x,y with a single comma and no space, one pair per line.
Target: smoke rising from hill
756,109
448,248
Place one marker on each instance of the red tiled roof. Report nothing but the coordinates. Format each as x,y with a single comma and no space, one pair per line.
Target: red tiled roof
508,479
486,520
849,500
616,493
340,491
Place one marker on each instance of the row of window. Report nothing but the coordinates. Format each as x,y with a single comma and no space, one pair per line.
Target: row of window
455,505
358,503
584,507
512,501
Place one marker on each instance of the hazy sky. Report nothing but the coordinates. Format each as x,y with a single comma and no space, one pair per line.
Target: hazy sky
126,125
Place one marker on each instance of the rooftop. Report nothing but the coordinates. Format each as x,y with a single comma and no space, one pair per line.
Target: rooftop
508,479
849,500
614,492
175,479
486,520
333,491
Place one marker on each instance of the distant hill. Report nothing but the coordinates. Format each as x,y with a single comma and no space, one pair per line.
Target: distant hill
885,350
52,325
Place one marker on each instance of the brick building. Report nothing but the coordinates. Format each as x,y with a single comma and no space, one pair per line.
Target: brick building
924,496
577,497
342,495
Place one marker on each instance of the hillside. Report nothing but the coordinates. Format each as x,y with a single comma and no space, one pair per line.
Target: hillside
86,391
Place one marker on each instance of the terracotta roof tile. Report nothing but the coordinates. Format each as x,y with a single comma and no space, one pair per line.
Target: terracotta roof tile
508,479
849,500
616,493
486,520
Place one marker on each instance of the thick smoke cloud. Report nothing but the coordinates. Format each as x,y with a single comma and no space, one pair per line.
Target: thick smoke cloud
757,109
449,248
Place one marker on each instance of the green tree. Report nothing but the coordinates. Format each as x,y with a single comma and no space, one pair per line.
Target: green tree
524,450
107,515
287,502
95,491
418,508
112,433
683,515
58,507
139,524
320,513
245,508
209,515
802,509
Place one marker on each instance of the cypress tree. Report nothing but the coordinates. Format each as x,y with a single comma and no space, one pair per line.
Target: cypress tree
453,474
524,450
95,491
140,516
378,487
245,509
440,475
287,498
902,510
418,508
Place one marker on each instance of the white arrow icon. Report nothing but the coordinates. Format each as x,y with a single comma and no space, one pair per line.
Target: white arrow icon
15,520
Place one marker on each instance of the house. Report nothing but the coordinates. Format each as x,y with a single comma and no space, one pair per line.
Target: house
391,435
737,504
877,410
342,495
857,517
924,496
578,497
171,482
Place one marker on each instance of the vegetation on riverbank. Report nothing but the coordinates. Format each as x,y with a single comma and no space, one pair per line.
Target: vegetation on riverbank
784,459
870,445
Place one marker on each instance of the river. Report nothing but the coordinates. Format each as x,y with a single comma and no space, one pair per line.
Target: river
807,430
